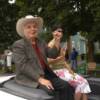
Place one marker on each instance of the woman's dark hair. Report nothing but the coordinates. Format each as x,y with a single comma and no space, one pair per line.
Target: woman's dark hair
55,27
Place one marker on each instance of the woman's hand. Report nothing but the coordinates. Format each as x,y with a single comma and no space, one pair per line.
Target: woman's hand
46,83
53,61
60,58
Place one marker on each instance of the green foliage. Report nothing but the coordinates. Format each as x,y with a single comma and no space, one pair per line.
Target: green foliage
52,11
74,15
47,36
7,24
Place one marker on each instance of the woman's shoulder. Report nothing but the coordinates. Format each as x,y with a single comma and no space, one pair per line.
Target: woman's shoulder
51,44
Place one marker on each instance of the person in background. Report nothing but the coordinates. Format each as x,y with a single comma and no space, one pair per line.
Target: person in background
8,55
30,58
9,61
56,59
73,59
3,61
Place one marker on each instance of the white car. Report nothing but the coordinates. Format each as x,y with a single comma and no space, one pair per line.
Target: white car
10,90
6,95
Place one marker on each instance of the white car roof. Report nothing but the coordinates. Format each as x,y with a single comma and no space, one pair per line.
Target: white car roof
5,95
5,78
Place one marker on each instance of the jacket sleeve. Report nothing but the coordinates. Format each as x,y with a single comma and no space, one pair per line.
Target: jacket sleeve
23,64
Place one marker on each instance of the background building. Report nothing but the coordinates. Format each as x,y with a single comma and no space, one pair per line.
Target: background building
79,43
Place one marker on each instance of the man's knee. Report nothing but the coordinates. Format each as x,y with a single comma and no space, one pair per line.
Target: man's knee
65,84
68,87
52,93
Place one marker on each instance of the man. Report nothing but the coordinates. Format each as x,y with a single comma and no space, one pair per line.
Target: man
73,58
30,58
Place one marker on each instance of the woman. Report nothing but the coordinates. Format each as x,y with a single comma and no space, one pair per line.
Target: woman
62,69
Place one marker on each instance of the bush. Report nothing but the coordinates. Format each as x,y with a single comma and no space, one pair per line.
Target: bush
97,58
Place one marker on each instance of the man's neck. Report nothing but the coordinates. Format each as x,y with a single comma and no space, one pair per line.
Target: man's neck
33,41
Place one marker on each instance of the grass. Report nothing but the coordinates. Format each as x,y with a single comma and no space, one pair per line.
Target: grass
82,70
13,67
98,74
2,71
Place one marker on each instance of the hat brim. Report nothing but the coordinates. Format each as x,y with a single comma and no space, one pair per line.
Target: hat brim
21,22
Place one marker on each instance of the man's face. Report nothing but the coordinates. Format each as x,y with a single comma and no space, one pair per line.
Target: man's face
30,30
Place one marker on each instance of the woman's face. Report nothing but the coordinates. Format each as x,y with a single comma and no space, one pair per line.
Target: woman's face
58,33
30,30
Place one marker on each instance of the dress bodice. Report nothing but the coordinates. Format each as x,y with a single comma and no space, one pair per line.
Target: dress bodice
53,52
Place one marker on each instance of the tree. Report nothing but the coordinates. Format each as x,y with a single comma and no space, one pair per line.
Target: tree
53,12
7,24
90,14
74,15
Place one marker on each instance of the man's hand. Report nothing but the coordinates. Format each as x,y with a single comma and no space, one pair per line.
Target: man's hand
46,83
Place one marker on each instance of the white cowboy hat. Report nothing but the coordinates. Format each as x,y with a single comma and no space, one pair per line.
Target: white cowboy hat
24,20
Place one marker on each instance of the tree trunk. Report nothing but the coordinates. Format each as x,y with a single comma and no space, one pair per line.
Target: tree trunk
90,51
